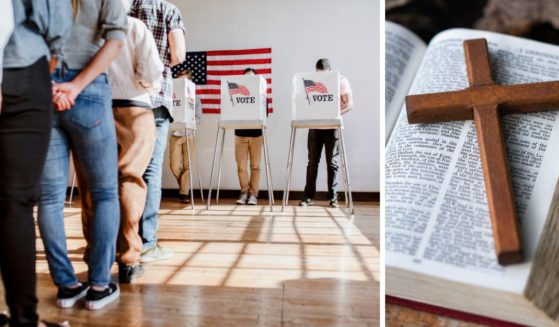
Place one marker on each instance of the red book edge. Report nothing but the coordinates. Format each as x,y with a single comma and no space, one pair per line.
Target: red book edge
454,314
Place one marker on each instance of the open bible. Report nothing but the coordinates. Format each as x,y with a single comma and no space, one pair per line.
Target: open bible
439,242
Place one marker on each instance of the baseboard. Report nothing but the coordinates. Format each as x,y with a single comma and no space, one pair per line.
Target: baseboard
233,194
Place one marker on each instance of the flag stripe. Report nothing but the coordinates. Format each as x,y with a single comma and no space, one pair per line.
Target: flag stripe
238,52
240,62
237,72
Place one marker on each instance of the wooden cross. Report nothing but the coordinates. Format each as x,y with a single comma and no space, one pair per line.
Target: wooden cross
484,102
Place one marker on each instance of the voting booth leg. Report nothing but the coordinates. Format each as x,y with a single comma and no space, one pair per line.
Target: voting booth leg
198,166
289,168
220,165
268,175
69,203
212,170
346,171
188,156
267,153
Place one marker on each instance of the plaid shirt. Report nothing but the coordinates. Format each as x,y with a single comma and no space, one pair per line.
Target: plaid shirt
161,17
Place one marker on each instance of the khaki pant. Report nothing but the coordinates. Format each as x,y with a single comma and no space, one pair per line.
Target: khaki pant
179,160
135,133
245,146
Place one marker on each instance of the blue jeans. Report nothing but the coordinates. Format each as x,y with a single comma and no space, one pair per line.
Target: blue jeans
88,130
152,177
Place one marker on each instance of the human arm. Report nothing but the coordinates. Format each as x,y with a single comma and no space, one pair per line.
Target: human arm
65,94
112,27
149,68
346,97
176,36
177,46
6,29
346,104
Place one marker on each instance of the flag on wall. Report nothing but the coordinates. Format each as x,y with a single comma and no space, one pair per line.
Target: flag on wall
208,67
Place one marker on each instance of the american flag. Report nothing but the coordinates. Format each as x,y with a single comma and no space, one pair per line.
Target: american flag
209,66
235,88
313,86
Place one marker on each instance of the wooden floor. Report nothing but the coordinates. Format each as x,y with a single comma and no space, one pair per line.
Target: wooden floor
242,266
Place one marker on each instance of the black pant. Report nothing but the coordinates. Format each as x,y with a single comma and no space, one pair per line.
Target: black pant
25,124
319,138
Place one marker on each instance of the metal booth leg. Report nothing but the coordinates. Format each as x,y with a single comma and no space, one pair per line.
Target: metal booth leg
198,166
220,164
69,204
266,148
346,171
212,170
289,168
267,165
189,170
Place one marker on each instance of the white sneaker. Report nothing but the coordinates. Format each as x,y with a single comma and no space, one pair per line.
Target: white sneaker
242,199
252,200
156,253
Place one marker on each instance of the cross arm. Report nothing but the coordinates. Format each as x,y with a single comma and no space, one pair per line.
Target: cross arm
458,105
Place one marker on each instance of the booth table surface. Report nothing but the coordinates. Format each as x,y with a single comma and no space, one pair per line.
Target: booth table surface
241,266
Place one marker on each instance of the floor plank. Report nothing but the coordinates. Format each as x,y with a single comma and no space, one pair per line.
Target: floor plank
242,266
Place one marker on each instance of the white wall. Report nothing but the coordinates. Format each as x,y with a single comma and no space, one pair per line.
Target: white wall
299,32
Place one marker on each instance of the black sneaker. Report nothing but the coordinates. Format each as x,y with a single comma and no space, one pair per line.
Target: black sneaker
334,203
4,319
127,274
95,300
67,297
306,202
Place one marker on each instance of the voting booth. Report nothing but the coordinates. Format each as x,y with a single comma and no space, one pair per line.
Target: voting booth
184,103
316,103
316,96
243,99
184,117
243,106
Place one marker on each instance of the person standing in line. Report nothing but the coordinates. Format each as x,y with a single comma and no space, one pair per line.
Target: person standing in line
25,126
134,75
248,143
84,123
164,20
178,141
327,139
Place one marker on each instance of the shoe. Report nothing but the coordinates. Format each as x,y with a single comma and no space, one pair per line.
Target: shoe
4,319
334,203
242,199
184,198
127,274
95,300
252,200
306,202
156,253
67,297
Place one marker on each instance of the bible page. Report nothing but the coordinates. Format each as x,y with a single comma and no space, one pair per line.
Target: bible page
437,219
404,51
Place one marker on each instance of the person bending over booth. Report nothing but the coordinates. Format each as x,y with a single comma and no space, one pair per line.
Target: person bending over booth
327,139
248,144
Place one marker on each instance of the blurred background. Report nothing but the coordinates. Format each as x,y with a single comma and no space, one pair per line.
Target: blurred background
533,19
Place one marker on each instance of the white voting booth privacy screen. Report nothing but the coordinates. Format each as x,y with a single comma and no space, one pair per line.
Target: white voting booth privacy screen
184,103
316,96
243,97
